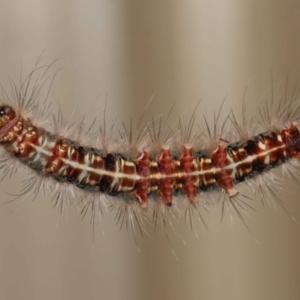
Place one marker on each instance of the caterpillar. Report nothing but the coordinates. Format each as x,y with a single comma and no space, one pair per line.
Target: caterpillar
156,173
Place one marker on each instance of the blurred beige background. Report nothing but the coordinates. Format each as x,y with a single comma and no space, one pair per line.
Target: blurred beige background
125,52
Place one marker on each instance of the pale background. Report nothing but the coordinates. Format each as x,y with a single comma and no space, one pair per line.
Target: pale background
125,52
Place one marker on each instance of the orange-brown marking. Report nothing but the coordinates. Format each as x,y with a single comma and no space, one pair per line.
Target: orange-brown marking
166,167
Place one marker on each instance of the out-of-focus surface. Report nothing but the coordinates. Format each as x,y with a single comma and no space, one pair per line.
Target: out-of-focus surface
125,52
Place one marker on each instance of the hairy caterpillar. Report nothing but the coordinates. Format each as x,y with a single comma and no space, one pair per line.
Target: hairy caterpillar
157,172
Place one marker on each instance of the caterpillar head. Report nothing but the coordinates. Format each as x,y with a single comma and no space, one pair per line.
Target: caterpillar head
8,119
7,114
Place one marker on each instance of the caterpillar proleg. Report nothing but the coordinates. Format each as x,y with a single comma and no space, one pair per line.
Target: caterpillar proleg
162,170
